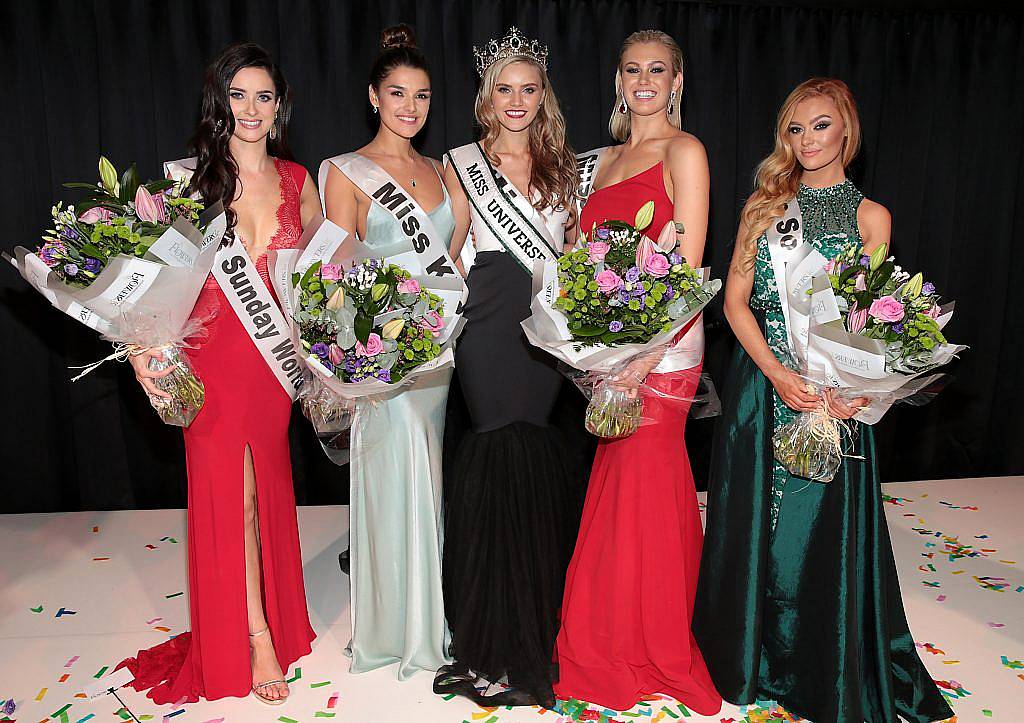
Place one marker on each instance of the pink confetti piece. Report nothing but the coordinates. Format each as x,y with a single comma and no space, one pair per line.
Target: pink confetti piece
71,662
997,625
333,701
154,620
941,598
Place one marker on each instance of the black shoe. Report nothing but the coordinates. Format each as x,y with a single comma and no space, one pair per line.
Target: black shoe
343,562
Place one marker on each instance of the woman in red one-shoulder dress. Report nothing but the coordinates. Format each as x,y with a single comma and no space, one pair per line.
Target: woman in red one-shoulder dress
247,601
631,584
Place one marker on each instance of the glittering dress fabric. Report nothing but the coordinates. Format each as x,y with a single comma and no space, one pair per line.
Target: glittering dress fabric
799,599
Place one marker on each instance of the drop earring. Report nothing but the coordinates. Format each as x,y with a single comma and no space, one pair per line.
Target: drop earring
273,129
671,101
374,109
622,106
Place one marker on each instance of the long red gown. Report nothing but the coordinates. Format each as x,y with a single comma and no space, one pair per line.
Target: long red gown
631,584
245,405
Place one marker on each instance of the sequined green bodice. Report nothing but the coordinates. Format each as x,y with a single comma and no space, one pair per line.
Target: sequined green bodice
830,223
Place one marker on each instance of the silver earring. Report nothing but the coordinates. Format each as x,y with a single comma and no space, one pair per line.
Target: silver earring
623,108
273,131
671,101
220,125
374,108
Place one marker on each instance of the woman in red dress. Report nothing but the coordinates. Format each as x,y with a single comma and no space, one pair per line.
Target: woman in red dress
247,601
630,589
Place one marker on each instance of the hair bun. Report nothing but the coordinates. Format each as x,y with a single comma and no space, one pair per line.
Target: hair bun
397,36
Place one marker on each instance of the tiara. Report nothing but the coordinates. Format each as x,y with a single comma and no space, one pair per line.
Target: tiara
513,45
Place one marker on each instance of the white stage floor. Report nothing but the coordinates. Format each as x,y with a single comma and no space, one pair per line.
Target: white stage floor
81,591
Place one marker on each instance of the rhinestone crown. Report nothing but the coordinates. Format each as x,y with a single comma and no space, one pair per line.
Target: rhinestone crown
513,45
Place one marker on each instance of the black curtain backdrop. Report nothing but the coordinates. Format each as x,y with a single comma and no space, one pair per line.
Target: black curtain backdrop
940,100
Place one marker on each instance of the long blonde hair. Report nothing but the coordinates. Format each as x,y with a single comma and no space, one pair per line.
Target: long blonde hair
777,178
619,122
553,173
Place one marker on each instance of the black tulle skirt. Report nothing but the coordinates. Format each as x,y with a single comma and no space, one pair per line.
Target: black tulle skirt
512,497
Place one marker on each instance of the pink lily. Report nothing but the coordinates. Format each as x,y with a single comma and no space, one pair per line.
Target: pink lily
145,206
857,319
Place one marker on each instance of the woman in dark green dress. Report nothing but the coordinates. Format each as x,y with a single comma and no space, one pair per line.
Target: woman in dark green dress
798,599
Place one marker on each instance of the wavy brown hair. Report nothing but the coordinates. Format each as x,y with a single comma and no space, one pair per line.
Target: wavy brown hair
553,173
619,122
777,178
216,174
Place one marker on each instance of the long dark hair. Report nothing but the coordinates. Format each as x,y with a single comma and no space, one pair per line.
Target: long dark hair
216,174
397,50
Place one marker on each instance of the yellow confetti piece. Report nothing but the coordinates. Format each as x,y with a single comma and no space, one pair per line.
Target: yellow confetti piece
957,572
1009,562
950,662
42,694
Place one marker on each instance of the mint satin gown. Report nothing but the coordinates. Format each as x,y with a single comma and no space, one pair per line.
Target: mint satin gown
395,531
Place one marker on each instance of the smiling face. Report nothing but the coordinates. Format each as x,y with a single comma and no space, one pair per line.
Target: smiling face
647,78
517,95
403,100
816,133
254,103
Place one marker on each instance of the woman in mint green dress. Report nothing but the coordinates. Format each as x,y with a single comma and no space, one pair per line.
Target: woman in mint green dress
798,599
395,472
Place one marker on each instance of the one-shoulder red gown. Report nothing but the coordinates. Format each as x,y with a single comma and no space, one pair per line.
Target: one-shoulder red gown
245,405
631,584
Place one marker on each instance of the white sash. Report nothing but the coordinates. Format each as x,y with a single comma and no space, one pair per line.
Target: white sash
587,165
491,196
251,301
255,308
794,263
431,251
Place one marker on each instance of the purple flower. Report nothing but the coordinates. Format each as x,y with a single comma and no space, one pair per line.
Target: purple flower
898,328
92,265
603,233
928,289
326,363
675,258
320,349
615,326
865,261
624,296
669,292
69,233
633,274
351,365
384,375
70,269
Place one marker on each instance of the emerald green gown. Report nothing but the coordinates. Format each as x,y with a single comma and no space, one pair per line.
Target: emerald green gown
798,599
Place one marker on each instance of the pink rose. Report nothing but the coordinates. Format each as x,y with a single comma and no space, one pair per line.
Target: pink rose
644,251
608,282
330,272
94,215
597,250
887,309
933,311
432,321
409,286
373,347
336,354
657,266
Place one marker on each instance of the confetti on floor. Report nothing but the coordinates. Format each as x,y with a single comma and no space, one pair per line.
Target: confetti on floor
966,554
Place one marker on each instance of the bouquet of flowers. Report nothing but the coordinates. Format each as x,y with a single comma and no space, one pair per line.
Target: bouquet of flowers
129,261
617,296
367,324
370,322
874,331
